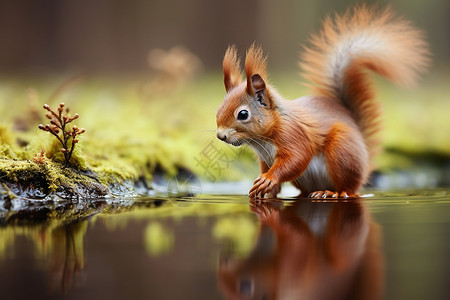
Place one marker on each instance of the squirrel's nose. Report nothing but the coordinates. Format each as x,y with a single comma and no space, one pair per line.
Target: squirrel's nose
221,136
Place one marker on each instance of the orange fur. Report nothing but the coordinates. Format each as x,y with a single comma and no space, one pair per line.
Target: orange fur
346,174
363,38
296,257
231,68
255,63
325,142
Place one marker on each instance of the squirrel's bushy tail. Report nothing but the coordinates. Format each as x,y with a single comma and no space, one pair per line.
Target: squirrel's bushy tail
363,38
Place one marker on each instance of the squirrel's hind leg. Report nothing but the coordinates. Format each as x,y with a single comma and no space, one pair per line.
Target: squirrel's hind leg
347,162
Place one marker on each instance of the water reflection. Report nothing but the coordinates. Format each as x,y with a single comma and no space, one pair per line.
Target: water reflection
67,256
308,250
44,236
158,239
59,248
219,246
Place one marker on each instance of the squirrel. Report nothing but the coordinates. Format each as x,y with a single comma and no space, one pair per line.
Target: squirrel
324,143
307,250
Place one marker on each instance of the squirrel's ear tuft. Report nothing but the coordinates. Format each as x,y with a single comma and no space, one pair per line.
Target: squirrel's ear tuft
231,68
255,64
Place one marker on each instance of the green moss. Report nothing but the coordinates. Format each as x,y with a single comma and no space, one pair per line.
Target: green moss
6,136
130,133
6,151
49,175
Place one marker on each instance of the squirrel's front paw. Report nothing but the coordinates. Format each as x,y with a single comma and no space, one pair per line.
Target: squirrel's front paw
264,185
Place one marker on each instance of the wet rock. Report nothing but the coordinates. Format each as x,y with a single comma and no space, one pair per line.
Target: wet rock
30,189
27,191
80,191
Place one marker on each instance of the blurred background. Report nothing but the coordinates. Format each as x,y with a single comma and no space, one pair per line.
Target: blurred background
116,36
153,68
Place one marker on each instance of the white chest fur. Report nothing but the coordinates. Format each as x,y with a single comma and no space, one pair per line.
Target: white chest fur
265,150
316,176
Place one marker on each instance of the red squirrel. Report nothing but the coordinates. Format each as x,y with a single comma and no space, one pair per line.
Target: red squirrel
324,143
308,250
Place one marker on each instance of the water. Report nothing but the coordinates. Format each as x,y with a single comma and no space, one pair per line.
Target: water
390,246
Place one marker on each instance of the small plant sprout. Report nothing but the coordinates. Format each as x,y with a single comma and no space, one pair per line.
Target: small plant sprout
57,127
39,158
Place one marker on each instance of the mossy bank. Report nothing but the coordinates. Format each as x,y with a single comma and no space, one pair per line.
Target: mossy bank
138,136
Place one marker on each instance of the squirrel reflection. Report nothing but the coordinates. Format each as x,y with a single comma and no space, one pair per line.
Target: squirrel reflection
308,250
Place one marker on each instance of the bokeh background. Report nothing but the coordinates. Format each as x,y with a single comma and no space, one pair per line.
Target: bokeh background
145,77
115,36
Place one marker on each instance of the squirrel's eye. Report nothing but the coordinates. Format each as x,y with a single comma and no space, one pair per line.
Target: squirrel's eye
243,115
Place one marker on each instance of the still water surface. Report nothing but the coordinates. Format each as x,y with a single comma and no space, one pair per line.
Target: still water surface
388,246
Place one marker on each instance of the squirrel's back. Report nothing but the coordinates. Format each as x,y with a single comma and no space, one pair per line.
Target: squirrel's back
363,38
